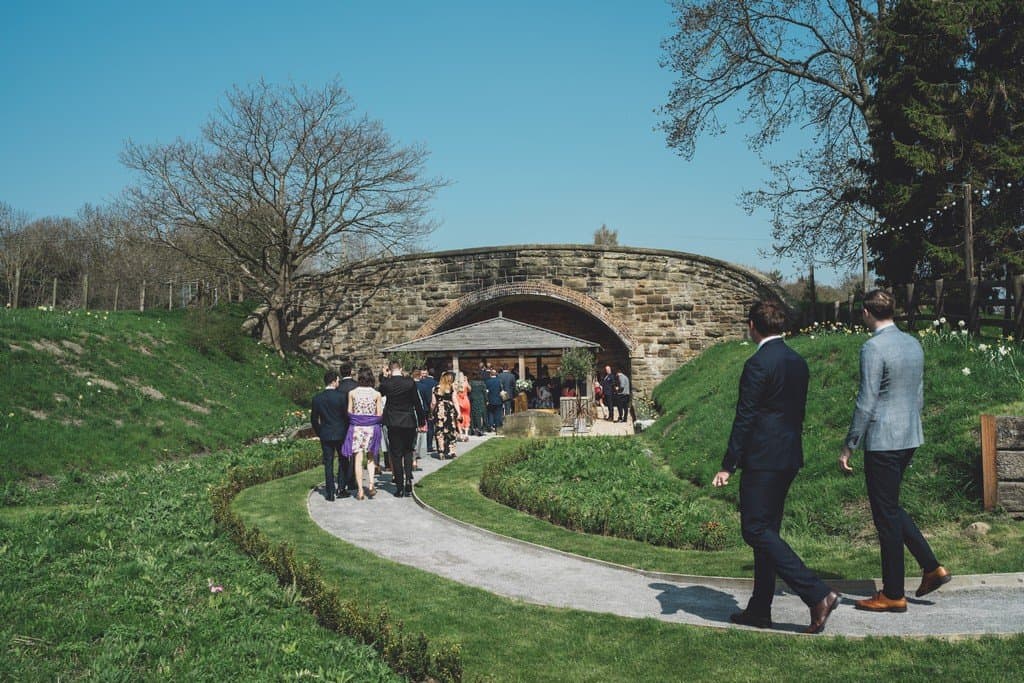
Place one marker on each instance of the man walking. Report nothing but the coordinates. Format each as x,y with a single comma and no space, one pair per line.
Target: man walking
495,410
887,425
608,385
403,413
624,395
346,473
328,421
766,442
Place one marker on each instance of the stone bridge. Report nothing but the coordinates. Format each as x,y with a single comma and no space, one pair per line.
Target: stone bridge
649,309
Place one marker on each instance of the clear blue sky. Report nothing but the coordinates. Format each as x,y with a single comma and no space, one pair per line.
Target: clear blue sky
540,113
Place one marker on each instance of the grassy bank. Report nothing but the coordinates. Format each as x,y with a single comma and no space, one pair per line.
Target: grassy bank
111,578
92,391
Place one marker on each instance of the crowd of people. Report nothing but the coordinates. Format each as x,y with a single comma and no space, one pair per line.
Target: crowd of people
371,424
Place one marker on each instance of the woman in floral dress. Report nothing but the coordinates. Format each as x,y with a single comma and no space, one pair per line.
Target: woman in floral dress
444,411
364,411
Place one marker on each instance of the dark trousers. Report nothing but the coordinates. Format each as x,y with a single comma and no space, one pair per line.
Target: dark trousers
623,407
401,441
495,415
329,449
431,444
762,499
883,471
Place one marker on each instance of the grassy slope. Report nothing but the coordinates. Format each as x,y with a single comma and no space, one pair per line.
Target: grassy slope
79,391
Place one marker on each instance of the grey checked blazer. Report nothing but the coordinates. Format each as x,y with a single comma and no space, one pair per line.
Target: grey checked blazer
888,412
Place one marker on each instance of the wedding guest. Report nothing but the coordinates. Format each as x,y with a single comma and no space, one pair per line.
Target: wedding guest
608,382
477,407
462,399
444,412
425,386
327,418
403,413
363,439
495,403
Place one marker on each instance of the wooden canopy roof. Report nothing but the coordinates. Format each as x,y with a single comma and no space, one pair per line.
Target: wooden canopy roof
496,334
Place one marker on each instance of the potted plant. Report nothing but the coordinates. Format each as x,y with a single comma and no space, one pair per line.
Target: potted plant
576,363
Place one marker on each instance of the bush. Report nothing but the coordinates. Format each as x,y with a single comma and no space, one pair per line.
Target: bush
610,487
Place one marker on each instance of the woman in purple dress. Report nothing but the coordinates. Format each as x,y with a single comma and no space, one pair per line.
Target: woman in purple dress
363,439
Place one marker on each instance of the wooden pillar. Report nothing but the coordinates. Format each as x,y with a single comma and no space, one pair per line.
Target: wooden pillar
988,461
455,363
522,365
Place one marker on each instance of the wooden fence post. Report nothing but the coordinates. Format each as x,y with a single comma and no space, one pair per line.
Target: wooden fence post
911,307
1018,306
170,295
973,306
142,298
53,296
940,302
835,311
17,287
988,461
85,292
117,292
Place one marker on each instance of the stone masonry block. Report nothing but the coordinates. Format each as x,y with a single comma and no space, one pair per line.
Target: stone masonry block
1010,433
1010,465
1010,495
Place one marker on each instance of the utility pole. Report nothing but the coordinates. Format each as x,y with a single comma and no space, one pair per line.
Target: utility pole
864,259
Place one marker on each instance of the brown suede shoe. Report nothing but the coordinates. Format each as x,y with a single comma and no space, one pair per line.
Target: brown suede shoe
821,612
880,603
932,580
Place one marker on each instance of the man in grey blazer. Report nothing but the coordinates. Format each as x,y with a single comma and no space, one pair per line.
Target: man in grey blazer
887,426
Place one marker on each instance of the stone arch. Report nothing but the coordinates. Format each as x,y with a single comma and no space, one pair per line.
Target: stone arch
531,289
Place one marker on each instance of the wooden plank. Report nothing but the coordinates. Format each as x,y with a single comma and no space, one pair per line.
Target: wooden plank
988,461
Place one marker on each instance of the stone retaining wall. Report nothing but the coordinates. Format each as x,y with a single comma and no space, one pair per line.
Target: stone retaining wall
1002,455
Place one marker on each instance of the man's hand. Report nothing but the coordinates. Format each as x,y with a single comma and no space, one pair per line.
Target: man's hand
844,460
721,479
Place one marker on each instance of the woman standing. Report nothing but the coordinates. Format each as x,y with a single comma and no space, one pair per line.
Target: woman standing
444,412
462,398
364,411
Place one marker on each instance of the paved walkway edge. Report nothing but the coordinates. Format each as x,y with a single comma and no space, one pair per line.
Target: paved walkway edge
959,582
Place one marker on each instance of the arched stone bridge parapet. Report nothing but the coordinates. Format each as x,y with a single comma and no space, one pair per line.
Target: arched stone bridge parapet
650,309
530,290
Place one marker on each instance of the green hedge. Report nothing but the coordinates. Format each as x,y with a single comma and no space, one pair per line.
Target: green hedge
608,486
408,655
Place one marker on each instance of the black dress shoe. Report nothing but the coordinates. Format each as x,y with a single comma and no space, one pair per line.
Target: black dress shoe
400,493
344,493
329,497
745,618
408,489
821,612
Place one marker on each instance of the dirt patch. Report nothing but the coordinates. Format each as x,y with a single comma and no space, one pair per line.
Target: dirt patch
195,408
60,398
145,390
75,348
15,347
47,346
68,422
118,423
43,481
37,414
143,350
85,374
151,340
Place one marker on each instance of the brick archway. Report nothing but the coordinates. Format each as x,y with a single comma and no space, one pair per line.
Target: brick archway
545,290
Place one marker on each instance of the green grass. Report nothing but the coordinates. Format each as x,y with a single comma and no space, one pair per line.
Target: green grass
506,640
92,391
105,578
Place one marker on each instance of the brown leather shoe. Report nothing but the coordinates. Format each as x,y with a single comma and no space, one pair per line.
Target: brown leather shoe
880,603
932,580
821,612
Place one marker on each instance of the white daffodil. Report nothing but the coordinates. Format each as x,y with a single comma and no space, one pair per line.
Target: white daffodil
966,371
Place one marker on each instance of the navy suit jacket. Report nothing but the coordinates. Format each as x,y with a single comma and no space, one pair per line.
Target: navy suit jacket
329,415
768,427
493,385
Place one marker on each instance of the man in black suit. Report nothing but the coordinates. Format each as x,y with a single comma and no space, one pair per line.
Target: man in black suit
403,413
495,404
328,420
425,385
346,473
766,442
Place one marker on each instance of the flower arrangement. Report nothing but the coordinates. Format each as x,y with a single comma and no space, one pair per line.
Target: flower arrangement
524,384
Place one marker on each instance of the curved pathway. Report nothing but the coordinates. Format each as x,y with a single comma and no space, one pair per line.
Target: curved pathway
428,540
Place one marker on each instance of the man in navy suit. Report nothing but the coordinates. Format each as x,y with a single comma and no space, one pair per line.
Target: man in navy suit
766,442
328,420
887,425
495,410
425,386
346,473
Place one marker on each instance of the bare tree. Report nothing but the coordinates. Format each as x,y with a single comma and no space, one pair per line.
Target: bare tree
283,183
783,63
15,252
605,237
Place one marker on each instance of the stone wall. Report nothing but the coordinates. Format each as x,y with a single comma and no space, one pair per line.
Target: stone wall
1003,462
656,308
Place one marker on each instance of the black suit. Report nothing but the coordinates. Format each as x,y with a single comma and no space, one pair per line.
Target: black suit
403,413
346,473
330,423
766,442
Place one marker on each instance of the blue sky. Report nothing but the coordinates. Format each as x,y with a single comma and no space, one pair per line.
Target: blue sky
540,113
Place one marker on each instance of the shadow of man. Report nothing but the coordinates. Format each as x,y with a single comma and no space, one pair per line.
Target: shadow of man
707,603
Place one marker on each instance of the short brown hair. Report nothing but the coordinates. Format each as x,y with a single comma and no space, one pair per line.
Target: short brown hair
769,317
879,303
